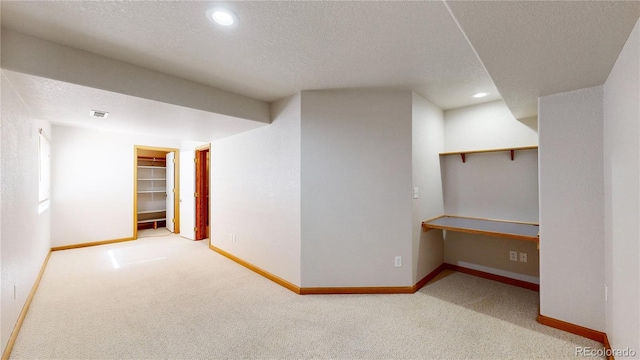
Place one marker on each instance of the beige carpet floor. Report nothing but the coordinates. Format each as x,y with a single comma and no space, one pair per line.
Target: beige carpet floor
145,233
170,298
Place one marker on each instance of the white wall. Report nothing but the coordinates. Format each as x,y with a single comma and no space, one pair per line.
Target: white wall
485,126
25,233
571,207
356,188
2,344
490,185
622,196
255,193
92,184
427,142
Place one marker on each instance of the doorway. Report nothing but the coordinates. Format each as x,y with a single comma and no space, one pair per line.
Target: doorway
202,161
156,185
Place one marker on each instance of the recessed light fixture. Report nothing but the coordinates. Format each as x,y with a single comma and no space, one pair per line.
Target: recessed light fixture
99,114
480,95
222,16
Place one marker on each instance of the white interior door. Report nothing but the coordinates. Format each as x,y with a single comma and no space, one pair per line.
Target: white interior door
170,194
187,191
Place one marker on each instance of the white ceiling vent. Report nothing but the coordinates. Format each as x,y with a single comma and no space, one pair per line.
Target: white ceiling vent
99,114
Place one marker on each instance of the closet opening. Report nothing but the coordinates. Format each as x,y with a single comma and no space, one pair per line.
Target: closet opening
156,183
202,192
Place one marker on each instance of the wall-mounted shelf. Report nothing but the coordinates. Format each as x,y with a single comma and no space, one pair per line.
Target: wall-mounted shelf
501,228
463,154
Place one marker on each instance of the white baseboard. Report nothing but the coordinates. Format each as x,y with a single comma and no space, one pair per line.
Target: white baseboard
509,274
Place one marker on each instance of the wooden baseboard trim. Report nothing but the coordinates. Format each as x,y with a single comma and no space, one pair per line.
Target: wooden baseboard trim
357,290
373,289
428,278
572,328
94,243
16,329
274,278
332,290
486,275
607,348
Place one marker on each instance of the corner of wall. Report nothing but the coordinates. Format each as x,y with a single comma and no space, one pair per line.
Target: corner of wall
255,184
25,233
427,142
572,207
622,196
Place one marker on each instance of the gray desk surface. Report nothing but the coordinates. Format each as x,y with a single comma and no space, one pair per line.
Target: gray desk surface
485,226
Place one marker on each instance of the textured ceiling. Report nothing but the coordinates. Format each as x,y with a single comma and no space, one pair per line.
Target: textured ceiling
537,48
278,48
529,49
69,104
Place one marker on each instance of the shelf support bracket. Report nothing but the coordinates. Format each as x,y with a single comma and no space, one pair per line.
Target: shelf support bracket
464,157
512,154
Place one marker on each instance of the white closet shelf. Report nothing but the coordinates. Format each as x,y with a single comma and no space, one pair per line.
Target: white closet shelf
151,211
151,220
151,189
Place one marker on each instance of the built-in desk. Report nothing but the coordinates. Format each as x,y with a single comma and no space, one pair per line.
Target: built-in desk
508,229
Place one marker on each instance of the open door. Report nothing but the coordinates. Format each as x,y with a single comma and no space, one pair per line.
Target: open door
171,192
187,194
202,193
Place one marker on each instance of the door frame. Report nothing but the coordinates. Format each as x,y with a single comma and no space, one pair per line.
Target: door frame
198,150
176,179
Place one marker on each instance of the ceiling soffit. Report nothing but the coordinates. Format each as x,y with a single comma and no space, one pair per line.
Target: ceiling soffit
538,48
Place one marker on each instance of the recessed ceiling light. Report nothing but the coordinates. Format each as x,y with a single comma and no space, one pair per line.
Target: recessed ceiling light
99,114
480,95
222,16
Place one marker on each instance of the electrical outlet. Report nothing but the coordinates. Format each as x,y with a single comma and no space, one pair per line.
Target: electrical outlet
513,255
232,237
523,257
398,261
606,293
416,193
